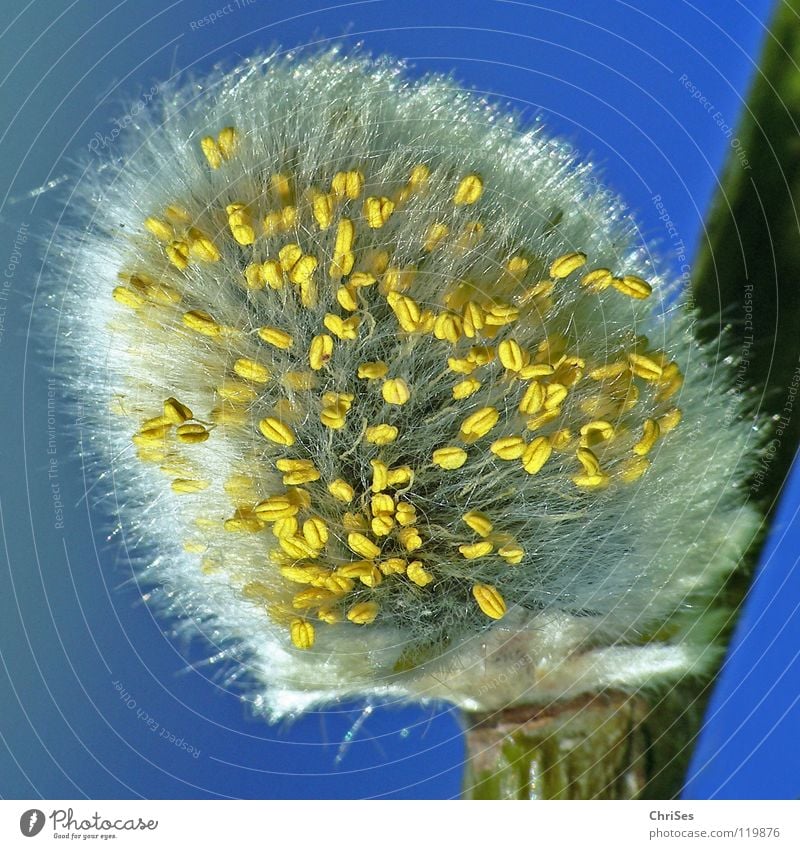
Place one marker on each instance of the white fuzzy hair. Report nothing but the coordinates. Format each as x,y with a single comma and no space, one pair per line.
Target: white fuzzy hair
617,586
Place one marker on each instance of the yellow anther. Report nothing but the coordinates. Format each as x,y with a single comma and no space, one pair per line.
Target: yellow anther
597,279
332,417
382,525
276,431
447,326
555,393
347,184
302,633
450,457
287,527
372,371
175,412
160,229
178,254
251,370
468,191
479,424
176,214
670,420
461,366
536,454
361,279
405,309
418,574
501,314
650,434
299,497
436,232
274,508
409,538
465,388
346,329
377,211
201,322
363,613
381,434
517,266
239,485
532,399
194,547
346,296
192,433
392,566
480,354
395,391
363,546
235,390
358,569
473,319
322,207
241,223
281,185
276,337
478,522
400,476
631,470
489,600
566,264
321,351
297,547
301,271
609,372
345,237
272,274
589,461
329,615
598,481
128,298
299,379
242,524
632,286
508,447
227,141
338,583
202,247
186,486
596,431
211,152
512,553
315,532
380,475
312,597
253,276
645,367
341,400
561,439
474,550
297,472
535,371
398,279
543,418
406,514
341,490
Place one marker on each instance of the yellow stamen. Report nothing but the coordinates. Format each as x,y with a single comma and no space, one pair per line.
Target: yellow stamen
489,600
251,370
476,549
363,613
302,633
201,322
447,326
566,264
321,351
393,566
347,184
160,229
315,532
187,486
377,211
632,286
276,337
465,388
511,355
650,434
508,447
346,329
276,431
479,522
395,391
381,434
372,371
512,553
597,279
409,538
469,190
479,424
532,399
450,457
176,412
380,475
341,490
645,367
536,454
418,574
363,546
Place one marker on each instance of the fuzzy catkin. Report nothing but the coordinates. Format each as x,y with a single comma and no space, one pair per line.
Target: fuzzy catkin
517,477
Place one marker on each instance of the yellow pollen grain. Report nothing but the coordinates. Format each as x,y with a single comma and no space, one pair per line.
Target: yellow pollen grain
645,367
276,337
201,322
508,447
555,393
363,613
564,265
474,550
409,538
536,454
400,476
315,532
176,412
372,371
512,553
192,433
447,326
377,211
347,184
363,546
406,514
345,329
489,600
418,574
650,434
532,399
302,633
341,490
322,207
473,319
321,351
450,457
395,391
382,525
185,486
381,434
276,431
632,286
465,388
251,370
478,522
479,423
468,191
346,296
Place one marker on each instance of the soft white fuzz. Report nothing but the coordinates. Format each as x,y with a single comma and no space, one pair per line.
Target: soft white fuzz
595,451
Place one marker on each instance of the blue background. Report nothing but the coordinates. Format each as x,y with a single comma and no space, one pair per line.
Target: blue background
607,76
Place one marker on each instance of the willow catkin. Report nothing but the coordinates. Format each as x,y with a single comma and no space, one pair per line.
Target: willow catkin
399,404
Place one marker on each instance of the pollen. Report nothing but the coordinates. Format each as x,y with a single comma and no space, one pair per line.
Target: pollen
451,457
276,337
321,351
251,370
508,447
469,190
489,600
475,550
382,434
341,490
566,264
395,391
363,613
478,522
418,574
276,431
302,633
479,424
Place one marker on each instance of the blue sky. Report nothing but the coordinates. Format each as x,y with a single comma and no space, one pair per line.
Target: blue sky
96,700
